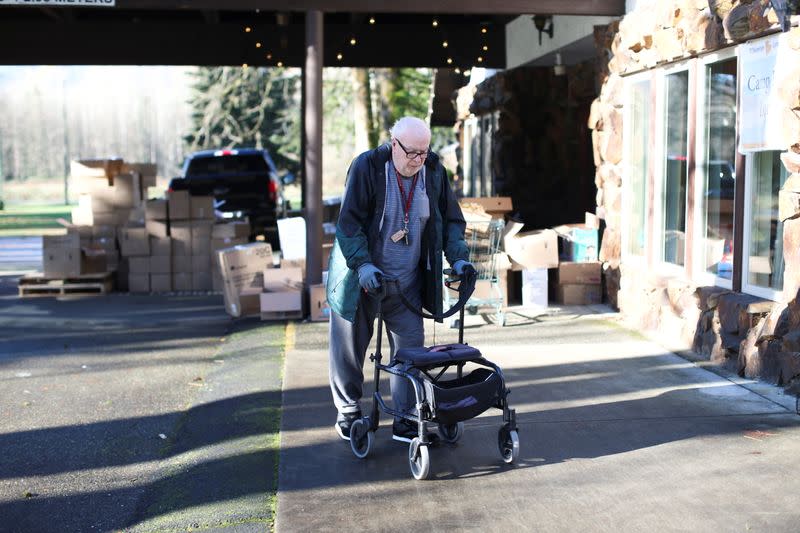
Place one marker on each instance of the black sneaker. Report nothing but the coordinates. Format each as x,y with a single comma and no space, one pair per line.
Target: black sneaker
405,431
343,423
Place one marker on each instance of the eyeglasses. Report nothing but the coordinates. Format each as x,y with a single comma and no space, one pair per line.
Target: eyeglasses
411,154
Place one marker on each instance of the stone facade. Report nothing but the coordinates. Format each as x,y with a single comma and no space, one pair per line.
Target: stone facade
754,337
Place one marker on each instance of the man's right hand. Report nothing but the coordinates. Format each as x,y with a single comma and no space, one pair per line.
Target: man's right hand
368,277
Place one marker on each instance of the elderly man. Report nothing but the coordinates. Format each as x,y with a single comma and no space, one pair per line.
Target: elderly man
398,215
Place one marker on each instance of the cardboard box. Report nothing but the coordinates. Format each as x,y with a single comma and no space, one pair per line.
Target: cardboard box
531,250
201,237
178,205
96,168
227,242
202,281
319,310
283,279
589,273
182,264
138,282
126,190
160,246
160,264
201,263
242,267
534,288
63,256
578,243
181,281
496,206
157,228
181,233
161,282
139,265
133,241
281,305
250,301
231,230
201,207
155,209
570,294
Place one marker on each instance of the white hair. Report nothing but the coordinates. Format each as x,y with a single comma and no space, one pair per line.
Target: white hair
405,124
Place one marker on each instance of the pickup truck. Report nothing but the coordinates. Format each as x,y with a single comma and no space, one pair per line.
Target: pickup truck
243,182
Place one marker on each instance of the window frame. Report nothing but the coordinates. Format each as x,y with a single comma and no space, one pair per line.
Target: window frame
630,81
656,260
747,287
699,274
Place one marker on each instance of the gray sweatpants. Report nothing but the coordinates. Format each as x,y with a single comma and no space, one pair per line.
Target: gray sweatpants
350,341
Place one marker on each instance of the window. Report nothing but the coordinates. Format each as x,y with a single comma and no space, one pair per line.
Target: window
763,269
716,172
674,168
638,156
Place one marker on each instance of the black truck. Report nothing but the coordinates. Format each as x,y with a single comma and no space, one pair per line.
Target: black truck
244,183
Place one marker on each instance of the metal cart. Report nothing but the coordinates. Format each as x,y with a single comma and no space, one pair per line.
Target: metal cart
483,239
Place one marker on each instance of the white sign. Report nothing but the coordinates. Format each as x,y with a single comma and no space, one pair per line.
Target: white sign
292,234
59,3
761,116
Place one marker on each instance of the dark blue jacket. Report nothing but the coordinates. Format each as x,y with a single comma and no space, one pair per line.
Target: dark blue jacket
359,220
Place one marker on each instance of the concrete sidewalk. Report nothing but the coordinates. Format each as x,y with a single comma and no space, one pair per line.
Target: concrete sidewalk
616,434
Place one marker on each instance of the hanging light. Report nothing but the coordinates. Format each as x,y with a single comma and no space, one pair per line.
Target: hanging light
484,30
449,60
485,48
339,56
444,44
372,20
435,23
352,41
258,45
480,59
248,29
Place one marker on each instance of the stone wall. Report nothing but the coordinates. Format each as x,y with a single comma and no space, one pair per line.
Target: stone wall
753,337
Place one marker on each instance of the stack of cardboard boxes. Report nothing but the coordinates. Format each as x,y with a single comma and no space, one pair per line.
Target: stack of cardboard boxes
257,283
579,278
108,191
170,244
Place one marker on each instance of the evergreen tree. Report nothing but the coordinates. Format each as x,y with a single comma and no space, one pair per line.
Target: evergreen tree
247,107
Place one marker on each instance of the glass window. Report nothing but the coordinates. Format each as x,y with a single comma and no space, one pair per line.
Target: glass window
639,157
765,257
719,170
673,196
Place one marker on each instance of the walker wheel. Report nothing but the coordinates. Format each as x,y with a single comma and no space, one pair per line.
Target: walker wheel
360,438
418,459
508,442
450,433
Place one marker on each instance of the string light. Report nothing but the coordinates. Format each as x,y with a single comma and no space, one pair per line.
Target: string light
339,56
435,23
248,29
484,30
457,70
449,60
269,55
258,45
352,41
372,20
480,59
444,44
467,73
244,65
485,48
280,63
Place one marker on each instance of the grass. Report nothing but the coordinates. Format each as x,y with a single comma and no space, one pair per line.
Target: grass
32,220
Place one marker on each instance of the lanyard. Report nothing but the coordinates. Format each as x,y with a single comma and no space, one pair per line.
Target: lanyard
406,200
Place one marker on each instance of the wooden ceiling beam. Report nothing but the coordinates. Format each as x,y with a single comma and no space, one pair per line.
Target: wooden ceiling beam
507,7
